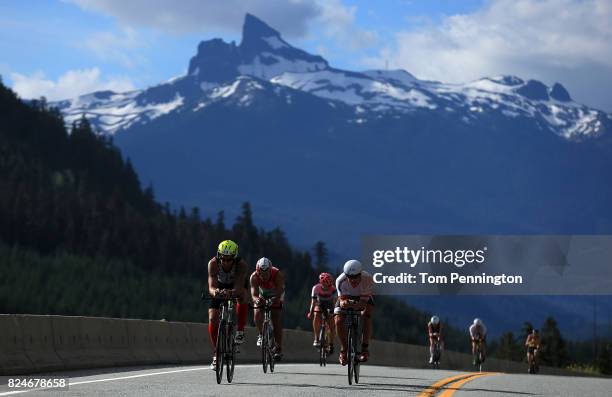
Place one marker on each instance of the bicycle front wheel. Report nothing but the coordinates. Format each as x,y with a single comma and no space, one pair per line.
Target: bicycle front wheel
264,347
322,347
220,353
350,355
356,340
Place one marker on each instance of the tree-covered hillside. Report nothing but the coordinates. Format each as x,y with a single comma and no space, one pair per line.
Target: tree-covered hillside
79,235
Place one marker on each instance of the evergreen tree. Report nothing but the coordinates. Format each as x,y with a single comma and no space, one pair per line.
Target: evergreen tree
321,254
509,348
604,359
553,350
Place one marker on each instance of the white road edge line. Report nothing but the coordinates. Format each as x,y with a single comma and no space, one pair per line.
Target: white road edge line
130,377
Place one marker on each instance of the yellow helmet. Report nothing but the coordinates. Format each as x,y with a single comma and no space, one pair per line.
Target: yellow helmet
228,248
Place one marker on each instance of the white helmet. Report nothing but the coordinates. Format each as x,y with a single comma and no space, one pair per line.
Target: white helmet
435,320
477,321
263,264
352,267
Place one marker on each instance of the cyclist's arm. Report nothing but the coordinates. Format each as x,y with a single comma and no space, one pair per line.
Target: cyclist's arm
313,301
241,271
213,273
366,289
279,285
254,288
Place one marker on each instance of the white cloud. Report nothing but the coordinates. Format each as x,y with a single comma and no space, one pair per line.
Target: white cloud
187,16
291,18
116,47
338,21
69,85
550,40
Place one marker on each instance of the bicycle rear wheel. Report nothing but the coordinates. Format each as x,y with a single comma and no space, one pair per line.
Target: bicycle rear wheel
220,353
231,352
271,348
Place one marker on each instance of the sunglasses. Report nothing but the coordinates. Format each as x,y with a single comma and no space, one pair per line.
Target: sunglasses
227,258
354,276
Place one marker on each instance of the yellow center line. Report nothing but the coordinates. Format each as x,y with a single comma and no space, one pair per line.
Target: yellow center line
451,389
433,389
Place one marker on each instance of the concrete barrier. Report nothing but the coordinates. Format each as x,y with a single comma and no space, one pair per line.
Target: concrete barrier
141,344
12,351
30,344
163,344
67,338
199,338
104,342
182,343
38,342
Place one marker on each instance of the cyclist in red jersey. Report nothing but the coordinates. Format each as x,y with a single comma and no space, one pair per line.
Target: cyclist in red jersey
323,299
268,282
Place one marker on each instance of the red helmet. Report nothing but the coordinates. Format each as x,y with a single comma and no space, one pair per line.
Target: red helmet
326,279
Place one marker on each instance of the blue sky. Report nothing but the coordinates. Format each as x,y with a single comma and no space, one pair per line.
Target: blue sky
65,48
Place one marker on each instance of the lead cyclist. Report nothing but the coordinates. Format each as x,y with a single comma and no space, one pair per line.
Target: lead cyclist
355,285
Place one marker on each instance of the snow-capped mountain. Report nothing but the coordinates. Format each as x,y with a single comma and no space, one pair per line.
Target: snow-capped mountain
528,154
329,154
218,70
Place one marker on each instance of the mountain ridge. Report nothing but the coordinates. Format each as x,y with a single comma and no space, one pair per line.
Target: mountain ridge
264,55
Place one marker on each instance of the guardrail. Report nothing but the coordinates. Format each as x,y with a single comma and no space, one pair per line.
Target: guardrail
41,343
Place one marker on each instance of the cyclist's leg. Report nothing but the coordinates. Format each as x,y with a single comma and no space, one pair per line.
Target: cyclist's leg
242,311
331,327
213,321
258,313
431,348
316,323
366,316
277,322
473,347
340,319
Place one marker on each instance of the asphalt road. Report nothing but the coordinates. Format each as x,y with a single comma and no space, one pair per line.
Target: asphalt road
312,380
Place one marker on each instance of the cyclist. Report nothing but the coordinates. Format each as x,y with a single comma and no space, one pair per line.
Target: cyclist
354,285
533,346
478,332
268,282
434,330
323,300
226,277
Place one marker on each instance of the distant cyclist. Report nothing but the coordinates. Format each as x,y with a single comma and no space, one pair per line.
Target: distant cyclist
267,282
434,331
354,285
227,278
323,299
478,332
533,346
